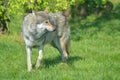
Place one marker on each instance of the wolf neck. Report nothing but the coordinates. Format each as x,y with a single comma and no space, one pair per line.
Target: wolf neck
36,35
40,35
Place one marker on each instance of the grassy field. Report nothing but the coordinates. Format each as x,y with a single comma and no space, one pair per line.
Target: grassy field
95,54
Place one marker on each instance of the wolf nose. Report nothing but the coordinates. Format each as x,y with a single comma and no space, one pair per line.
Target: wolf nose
54,29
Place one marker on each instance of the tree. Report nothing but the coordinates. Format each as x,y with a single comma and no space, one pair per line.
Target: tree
11,7
3,16
82,8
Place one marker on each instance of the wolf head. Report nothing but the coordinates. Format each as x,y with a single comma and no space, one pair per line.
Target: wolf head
42,21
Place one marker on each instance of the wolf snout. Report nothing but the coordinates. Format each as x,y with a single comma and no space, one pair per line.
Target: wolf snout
51,28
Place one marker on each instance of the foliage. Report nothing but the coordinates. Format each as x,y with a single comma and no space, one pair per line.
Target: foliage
82,8
17,7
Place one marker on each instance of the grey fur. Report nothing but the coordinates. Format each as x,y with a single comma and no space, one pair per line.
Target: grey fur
40,28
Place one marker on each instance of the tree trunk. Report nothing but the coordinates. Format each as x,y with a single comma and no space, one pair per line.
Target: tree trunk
3,27
3,21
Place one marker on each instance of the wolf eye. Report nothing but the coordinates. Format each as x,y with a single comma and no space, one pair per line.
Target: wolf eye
46,22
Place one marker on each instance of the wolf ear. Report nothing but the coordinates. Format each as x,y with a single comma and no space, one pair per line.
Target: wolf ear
67,13
33,12
46,10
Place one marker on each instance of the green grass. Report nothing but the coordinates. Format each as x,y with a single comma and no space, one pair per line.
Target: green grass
95,54
90,59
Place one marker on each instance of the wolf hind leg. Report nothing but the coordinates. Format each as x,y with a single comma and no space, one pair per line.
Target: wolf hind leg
56,44
65,44
65,47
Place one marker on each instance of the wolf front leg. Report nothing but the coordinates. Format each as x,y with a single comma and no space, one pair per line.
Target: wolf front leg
29,54
40,56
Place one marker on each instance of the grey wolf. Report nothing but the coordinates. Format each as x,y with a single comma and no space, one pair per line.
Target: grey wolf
39,28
